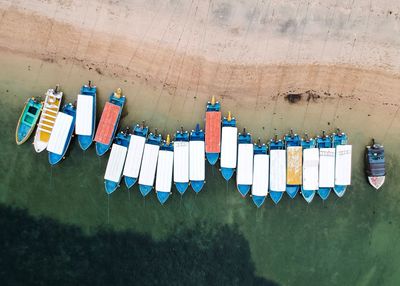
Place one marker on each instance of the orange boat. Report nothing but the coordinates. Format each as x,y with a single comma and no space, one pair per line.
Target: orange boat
213,131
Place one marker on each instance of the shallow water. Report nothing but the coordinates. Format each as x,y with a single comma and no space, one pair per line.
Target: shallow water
215,237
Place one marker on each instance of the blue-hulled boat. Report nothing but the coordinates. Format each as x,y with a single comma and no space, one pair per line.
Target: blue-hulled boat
88,97
27,120
276,144
292,140
375,164
324,142
339,138
213,131
245,161
197,160
164,170
308,143
261,174
228,147
181,161
54,157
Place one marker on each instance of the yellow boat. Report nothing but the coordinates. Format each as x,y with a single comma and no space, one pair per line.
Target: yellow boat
50,110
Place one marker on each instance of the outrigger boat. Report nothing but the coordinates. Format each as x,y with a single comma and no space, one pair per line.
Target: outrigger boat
244,174
294,163
109,122
228,146
326,166
342,162
181,161
149,163
116,161
165,164
277,174
135,154
61,135
310,168
375,164
50,110
27,121
86,115
213,131
259,190
196,159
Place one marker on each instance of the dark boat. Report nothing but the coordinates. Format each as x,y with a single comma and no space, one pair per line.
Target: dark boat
375,164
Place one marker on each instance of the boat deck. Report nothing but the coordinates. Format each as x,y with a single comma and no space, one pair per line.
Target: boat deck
60,132
84,115
109,117
213,132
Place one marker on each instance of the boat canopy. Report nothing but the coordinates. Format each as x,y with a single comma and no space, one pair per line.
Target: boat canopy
277,175
109,117
326,167
149,164
310,169
84,115
134,157
213,132
343,165
197,161
244,175
294,165
181,161
260,175
115,163
229,147
60,132
164,171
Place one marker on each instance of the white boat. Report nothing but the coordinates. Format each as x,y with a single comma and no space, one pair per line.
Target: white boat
181,161
165,164
259,190
228,147
197,161
277,174
149,163
244,173
342,169
310,173
326,180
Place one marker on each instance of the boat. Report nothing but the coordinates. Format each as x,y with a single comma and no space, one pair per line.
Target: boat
277,174
294,163
116,161
213,131
228,146
259,189
181,161
50,109
310,168
342,162
86,115
165,164
244,174
197,159
135,154
375,164
149,163
27,121
61,135
326,166
109,122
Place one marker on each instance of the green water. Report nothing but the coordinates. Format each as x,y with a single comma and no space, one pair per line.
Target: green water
58,225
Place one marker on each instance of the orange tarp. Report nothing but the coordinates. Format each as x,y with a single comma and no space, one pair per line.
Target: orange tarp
213,132
108,119
294,165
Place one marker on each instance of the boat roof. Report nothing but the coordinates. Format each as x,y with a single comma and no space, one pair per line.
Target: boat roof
326,167
134,156
310,169
277,175
181,161
84,115
343,165
228,147
213,132
115,163
59,134
109,117
196,161
260,175
164,171
294,165
149,164
244,174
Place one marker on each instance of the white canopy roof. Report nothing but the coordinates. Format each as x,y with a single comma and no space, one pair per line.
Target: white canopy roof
277,174
164,171
181,162
310,169
244,175
260,175
228,147
197,161
343,165
149,164
59,135
134,157
115,163
84,115
326,167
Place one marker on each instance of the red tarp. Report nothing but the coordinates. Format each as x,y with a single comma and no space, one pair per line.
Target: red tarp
108,119
213,132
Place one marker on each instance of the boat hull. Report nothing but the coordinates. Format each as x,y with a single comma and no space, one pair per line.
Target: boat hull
181,187
163,197
292,190
276,196
308,195
197,186
129,181
376,182
340,190
258,200
243,189
101,148
212,158
227,173
85,141
145,189
110,186
324,193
